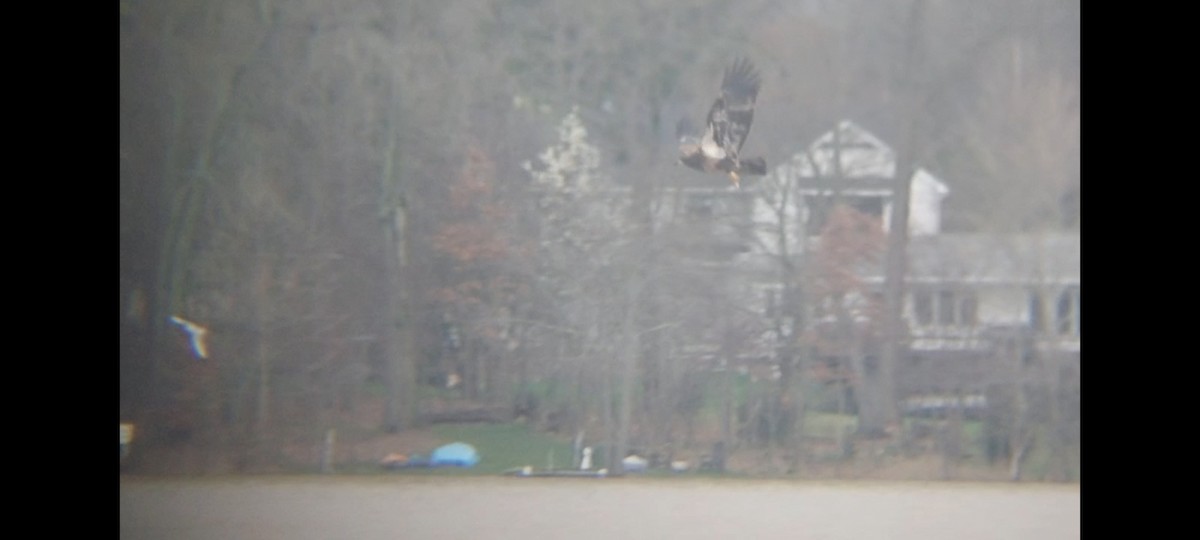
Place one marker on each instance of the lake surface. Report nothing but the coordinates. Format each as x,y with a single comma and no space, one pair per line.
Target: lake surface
304,508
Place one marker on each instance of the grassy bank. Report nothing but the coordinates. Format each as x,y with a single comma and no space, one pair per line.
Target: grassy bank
504,446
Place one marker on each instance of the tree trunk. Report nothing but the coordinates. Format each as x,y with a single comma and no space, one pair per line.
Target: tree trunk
400,407
628,363
896,262
952,438
398,314
1020,439
726,409
791,380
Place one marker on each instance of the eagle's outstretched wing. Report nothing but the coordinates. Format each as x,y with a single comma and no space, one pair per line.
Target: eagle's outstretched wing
728,125
732,113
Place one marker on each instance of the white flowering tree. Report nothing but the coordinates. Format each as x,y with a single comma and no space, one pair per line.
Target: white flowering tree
580,211
582,260
572,165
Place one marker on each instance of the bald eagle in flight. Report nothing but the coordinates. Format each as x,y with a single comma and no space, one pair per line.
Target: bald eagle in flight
728,122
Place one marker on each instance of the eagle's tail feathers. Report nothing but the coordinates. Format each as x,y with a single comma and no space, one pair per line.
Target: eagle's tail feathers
754,166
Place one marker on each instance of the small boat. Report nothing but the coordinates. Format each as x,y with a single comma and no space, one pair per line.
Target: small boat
530,472
634,463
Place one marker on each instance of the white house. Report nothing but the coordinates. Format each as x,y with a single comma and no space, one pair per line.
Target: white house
849,164
961,290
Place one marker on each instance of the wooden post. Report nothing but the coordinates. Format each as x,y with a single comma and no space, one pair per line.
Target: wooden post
327,450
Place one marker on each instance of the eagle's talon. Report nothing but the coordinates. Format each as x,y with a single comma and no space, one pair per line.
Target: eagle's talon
729,122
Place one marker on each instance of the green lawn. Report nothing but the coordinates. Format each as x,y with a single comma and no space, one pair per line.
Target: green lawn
826,425
504,446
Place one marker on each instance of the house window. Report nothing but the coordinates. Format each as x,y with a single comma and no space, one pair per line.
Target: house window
699,205
946,311
923,305
968,309
1036,320
819,207
816,215
871,365
1067,312
871,206
945,308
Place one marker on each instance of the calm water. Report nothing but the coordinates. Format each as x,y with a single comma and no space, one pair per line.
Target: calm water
527,509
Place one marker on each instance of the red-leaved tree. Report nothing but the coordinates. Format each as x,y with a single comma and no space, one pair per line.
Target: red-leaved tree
481,258
848,311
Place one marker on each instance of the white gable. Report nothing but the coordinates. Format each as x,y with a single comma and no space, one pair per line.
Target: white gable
862,155
870,162
925,204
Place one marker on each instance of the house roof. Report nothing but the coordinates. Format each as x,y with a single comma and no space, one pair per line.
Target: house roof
861,153
866,163
1046,259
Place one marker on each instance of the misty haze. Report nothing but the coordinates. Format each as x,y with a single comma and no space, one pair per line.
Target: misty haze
663,268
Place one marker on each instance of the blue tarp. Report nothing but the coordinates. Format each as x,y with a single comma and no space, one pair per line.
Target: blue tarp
454,454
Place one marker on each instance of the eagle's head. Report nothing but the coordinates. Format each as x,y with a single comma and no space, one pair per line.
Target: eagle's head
689,151
728,123
692,157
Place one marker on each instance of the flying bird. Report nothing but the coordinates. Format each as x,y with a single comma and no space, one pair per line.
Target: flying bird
728,122
198,334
